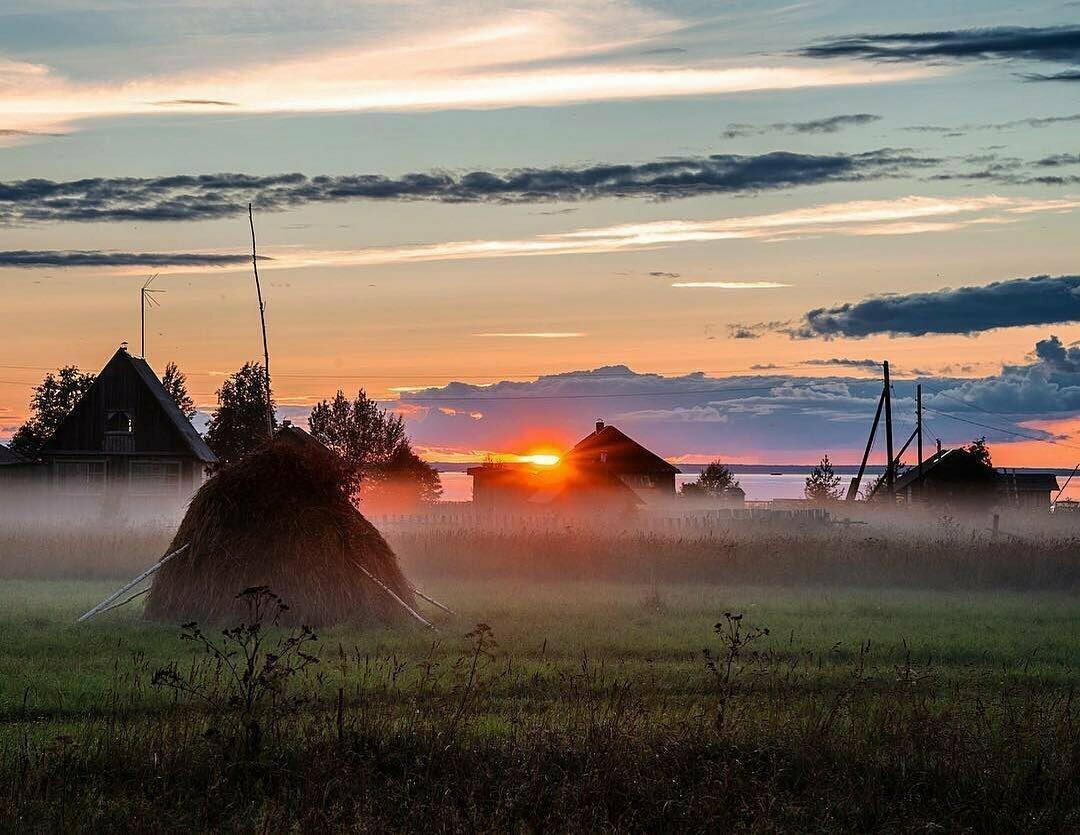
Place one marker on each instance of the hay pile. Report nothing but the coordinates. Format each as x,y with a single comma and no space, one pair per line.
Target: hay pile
279,518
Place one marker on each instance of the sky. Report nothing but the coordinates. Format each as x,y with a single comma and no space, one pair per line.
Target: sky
707,223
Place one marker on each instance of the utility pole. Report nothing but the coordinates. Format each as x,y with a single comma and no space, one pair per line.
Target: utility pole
262,321
890,472
918,423
146,297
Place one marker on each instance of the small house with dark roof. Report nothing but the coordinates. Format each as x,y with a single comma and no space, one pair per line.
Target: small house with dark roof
125,436
606,472
954,478
609,450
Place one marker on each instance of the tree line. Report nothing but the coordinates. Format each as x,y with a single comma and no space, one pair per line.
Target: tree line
382,469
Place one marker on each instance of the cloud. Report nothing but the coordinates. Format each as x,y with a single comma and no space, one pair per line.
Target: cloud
196,102
1064,75
731,285
1047,387
845,362
765,415
190,197
1051,44
1040,300
533,335
830,124
910,215
101,258
548,56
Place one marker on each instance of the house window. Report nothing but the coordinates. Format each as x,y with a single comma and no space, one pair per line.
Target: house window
80,478
155,478
119,422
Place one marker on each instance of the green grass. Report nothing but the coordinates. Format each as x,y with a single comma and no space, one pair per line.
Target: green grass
631,628
594,711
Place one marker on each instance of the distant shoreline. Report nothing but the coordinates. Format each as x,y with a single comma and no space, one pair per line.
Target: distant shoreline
770,469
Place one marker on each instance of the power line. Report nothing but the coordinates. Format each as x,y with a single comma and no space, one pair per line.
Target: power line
414,399
1000,429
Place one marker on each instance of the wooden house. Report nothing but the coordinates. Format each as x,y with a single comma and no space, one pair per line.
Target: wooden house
605,472
953,479
609,450
125,437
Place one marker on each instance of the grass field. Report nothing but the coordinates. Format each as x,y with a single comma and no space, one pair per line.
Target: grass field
588,705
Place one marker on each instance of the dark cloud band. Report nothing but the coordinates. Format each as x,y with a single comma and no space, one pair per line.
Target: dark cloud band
212,196
1041,300
1051,43
100,258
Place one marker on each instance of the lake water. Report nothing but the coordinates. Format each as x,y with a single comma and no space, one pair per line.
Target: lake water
457,487
759,487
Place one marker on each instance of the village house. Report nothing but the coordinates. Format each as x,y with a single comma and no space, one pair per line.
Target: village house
126,438
606,471
954,479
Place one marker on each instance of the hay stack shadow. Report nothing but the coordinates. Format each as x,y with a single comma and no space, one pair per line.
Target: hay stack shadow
280,518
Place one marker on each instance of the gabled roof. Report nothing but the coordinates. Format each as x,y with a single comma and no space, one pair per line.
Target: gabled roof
619,452
10,458
191,438
1029,481
912,475
185,432
1004,478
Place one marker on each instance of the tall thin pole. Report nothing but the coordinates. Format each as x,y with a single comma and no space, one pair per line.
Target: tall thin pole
918,422
853,488
146,298
890,473
262,321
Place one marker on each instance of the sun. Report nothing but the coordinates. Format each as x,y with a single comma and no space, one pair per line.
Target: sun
542,459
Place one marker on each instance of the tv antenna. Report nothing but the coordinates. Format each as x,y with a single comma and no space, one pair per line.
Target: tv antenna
146,299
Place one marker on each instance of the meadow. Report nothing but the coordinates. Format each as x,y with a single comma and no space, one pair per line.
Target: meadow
629,694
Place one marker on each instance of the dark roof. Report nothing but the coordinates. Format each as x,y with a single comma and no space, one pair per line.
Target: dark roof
191,438
185,432
1004,478
912,475
1028,481
622,454
9,458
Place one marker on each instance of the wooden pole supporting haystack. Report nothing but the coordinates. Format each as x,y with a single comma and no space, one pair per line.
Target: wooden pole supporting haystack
104,604
433,601
395,596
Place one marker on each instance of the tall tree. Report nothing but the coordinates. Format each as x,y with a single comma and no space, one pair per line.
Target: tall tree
51,402
372,442
175,382
714,481
823,484
238,425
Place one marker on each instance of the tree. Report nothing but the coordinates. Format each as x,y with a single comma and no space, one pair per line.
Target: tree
238,425
980,452
51,402
823,484
714,482
373,444
175,382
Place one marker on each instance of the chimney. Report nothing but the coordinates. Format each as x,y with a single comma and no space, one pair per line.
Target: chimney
599,426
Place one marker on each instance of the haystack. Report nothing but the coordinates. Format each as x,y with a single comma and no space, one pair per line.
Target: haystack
280,518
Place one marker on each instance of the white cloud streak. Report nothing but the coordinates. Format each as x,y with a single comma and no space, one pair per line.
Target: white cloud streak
527,58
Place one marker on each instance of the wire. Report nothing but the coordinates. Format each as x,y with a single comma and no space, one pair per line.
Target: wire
408,398
1000,429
